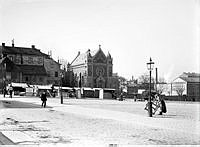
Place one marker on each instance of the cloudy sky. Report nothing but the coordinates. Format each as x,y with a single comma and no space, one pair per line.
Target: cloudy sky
131,30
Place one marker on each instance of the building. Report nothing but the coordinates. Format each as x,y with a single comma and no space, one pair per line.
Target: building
94,69
187,84
53,70
26,65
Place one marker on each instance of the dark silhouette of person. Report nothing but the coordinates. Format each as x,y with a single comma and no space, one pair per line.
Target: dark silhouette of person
10,91
44,99
163,108
4,92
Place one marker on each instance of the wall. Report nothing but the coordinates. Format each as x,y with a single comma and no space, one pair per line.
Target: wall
51,68
181,98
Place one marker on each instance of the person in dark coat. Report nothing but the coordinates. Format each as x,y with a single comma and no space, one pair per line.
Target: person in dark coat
163,108
44,99
4,92
10,91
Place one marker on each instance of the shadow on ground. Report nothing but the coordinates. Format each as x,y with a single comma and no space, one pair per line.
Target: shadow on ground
17,104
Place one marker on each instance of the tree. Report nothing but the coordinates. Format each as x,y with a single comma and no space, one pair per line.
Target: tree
144,79
179,88
161,85
122,83
69,79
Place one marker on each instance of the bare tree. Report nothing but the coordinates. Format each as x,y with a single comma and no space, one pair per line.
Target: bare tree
144,79
161,86
63,63
122,81
179,88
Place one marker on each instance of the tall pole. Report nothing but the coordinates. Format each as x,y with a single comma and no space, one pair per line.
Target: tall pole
149,65
156,78
61,96
150,103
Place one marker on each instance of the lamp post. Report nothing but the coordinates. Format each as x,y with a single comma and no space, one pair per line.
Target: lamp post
4,75
150,68
61,95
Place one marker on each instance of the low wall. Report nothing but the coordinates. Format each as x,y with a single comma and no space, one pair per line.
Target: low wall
181,98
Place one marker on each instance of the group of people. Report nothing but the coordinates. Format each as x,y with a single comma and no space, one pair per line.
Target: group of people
8,91
158,104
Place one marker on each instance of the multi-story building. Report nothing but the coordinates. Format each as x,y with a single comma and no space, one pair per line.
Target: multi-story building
26,65
94,69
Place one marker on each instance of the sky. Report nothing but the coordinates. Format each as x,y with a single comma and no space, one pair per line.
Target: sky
132,31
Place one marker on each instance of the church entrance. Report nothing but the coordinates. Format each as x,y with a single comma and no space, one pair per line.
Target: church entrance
100,82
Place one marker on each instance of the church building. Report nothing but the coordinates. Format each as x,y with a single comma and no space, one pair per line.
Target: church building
94,69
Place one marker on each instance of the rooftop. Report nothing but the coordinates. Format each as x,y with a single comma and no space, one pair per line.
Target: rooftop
21,50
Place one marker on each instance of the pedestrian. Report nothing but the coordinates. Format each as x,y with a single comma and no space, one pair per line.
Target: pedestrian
44,99
135,98
163,108
4,92
10,91
121,96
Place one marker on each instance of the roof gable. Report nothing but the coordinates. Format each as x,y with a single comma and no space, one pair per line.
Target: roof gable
80,59
99,57
179,80
188,77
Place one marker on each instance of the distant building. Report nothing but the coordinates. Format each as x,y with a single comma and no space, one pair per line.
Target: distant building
94,69
187,84
53,70
26,65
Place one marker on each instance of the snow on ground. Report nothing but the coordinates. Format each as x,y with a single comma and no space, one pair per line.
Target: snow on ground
54,125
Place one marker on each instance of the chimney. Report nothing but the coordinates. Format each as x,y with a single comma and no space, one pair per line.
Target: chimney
13,44
3,44
33,46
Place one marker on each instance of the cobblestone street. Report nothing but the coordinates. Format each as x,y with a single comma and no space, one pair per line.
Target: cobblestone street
97,122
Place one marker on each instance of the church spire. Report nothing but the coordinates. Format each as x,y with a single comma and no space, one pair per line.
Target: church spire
109,56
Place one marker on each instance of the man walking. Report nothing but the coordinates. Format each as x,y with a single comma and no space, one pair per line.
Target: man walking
44,99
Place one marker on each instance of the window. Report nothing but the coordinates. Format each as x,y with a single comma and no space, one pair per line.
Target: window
30,60
11,58
56,74
26,79
40,60
110,71
41,79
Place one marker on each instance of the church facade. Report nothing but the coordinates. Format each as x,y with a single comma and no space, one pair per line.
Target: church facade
94,69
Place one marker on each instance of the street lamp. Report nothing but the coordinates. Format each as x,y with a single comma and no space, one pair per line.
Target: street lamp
150,68
61,95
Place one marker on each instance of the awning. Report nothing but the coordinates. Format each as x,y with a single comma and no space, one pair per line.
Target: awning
23,85
87,88
44,87
64,88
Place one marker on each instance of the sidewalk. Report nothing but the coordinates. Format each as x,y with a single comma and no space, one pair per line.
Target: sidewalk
185,126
